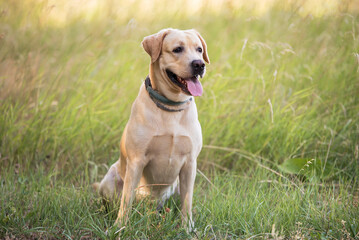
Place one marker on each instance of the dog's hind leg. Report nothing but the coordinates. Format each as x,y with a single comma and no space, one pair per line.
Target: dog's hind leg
110,187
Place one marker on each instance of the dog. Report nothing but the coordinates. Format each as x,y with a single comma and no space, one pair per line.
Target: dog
163,137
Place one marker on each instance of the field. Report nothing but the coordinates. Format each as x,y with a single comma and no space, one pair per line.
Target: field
279,113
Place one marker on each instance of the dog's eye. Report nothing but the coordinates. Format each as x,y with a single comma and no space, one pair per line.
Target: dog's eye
177,50
199,49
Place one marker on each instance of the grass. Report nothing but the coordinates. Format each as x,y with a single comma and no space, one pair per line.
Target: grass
282,84
240,206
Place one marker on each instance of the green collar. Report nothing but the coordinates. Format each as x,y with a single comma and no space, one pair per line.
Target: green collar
159,100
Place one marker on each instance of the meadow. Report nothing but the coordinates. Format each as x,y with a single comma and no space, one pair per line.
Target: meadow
279,114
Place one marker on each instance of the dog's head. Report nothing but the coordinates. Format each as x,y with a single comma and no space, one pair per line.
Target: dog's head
180,56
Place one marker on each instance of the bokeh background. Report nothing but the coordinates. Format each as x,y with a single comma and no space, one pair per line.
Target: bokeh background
280,104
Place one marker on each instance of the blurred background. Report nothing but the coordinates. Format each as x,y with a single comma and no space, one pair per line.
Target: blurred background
279,114
282,83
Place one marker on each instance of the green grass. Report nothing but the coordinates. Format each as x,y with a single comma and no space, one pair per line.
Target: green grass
280,85
239,206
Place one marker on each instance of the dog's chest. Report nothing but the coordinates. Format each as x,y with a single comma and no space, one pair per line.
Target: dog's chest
166,155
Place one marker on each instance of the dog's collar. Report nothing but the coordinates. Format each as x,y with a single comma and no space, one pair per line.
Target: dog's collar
161,100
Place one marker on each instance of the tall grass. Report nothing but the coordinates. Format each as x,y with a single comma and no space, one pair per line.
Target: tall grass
283,83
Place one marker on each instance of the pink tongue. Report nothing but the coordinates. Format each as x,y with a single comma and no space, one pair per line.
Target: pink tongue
194,87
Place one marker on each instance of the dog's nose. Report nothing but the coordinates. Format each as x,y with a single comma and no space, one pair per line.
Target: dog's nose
198,67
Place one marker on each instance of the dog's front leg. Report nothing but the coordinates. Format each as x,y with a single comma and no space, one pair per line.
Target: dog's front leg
187,178
133,175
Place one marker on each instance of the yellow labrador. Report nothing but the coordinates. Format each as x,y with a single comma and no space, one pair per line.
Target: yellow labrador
163,137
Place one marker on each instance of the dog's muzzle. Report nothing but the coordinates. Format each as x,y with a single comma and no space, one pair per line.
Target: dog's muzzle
191,86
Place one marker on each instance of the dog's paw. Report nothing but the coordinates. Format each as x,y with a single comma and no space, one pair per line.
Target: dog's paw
188,226
95,186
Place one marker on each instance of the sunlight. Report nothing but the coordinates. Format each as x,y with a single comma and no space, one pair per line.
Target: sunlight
59,12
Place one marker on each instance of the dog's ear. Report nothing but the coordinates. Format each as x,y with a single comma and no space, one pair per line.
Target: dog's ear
153,44
204,45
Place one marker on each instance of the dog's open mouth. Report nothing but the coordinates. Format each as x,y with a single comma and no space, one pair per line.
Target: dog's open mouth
191,86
